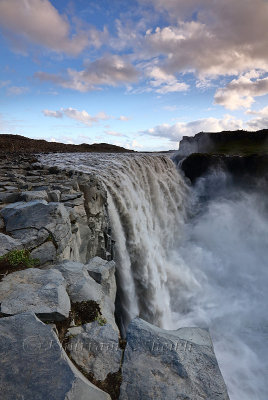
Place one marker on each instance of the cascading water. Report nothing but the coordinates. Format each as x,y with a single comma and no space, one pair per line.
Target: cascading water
190,257
146,201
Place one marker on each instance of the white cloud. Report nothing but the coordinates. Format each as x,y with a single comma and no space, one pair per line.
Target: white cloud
175,132
136,145
81,116
39,22
260,121
51,113
124,118
241,92
262,113
110,70
224,37
163,82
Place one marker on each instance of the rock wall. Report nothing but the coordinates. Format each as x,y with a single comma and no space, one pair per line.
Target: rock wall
226,142
58,335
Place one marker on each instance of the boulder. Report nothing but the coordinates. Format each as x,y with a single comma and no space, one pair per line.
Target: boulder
7,244
81,287
45,253
95,349
34,365
35,216
40,291
104,273
160,364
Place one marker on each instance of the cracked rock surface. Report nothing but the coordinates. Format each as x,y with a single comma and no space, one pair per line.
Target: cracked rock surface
34,365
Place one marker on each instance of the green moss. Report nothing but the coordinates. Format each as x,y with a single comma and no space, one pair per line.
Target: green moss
16,260
101,321
19,258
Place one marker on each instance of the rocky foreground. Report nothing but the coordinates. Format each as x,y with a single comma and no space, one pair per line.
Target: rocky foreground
58,334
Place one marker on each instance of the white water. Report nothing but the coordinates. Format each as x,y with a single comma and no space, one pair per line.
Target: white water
208,270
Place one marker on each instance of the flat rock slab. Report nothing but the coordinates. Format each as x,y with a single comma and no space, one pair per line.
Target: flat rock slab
40,291
34,365
25,221
95,348
160,364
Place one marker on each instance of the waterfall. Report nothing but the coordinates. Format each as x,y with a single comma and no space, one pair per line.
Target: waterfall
146,205
146,200
190,256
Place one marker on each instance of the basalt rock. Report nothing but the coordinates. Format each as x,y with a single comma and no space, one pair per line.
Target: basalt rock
34,365
95,348
243,170
42,292
173,365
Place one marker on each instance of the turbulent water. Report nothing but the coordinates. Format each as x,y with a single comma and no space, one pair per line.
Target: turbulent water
190,257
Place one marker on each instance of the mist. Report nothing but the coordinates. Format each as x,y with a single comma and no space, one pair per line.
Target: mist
218,278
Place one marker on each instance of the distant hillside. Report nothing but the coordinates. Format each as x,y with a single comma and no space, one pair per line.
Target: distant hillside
21,144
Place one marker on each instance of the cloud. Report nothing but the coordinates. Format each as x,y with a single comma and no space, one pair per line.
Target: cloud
124,118
175,132
261,120
210,38
39,22
165,83
110,70
262,113
241,92
81,116
54,114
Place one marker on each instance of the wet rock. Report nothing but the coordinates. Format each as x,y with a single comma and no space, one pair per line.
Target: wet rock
34,365
95,349
40,291
160,364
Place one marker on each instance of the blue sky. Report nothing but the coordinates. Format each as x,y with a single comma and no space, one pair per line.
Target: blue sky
140,74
